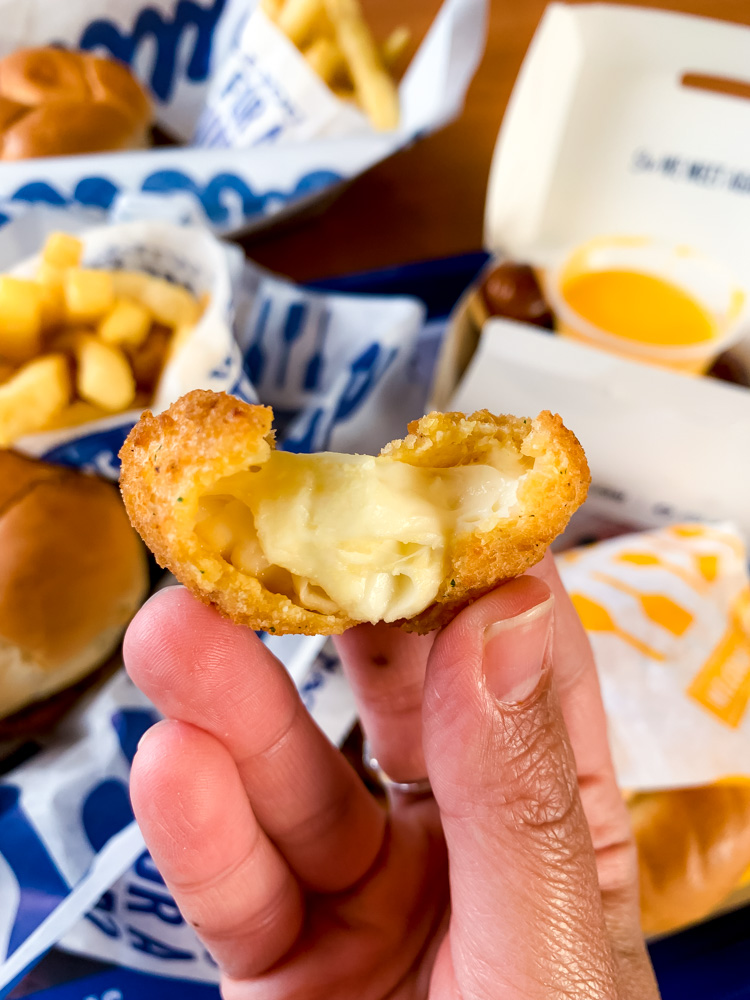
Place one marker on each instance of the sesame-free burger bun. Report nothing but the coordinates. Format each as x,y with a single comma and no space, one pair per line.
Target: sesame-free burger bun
59,103
72,574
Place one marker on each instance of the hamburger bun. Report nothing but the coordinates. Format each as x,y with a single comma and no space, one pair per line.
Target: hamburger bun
72,574
59,103
693,849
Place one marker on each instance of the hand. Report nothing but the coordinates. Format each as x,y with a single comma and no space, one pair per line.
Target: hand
518,879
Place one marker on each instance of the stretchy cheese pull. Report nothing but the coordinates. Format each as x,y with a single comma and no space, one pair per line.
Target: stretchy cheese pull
317,543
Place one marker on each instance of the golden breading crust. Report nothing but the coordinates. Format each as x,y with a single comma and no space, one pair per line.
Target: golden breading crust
169,460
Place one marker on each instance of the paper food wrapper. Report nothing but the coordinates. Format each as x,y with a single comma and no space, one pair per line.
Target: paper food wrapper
178,50
340,373
69,845
264,92
668,616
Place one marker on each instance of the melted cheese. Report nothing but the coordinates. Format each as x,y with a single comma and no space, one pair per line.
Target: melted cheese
352,533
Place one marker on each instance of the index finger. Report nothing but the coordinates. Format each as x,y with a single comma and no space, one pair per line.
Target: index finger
201,669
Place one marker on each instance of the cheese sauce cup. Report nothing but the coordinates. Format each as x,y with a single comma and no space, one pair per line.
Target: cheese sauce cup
664,305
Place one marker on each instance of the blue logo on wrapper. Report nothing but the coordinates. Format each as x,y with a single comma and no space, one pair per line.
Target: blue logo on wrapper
167,33
312,432
39,881
103,808
227,199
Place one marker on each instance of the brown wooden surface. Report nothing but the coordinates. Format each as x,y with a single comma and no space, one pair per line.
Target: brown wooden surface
428,201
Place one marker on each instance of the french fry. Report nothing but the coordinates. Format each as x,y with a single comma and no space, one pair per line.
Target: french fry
103,376
62,250
33,397
394,47
177,342
89,294
77,344
297,19
20,318
327,60
148,360
76,413
171,304
127,323
130,284
50,274
375,89
168,303
49,277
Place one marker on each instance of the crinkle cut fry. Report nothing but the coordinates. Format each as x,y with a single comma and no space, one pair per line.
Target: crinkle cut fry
170,459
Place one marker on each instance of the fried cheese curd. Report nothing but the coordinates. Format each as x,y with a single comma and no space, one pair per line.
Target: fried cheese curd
313,544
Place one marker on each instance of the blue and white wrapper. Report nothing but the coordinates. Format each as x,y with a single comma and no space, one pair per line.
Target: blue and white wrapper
341,372
300,149
73,864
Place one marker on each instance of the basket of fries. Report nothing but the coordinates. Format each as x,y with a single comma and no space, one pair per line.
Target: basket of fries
257,109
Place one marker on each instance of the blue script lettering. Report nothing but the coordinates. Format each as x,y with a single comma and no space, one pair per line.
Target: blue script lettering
105,811
146,868
41,884
151,946
158,903
167,35
100,916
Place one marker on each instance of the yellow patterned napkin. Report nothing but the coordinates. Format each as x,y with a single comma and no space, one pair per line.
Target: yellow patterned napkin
668,616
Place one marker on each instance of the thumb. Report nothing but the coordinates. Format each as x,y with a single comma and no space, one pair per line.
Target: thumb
526,907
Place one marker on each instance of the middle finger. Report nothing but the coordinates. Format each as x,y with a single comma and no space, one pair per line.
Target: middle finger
385,667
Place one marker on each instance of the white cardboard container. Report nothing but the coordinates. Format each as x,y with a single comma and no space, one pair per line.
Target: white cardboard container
602,137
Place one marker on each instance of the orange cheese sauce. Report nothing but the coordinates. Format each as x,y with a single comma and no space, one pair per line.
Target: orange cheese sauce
638,307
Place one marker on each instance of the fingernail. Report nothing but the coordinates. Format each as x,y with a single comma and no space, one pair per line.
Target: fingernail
515,651
147,734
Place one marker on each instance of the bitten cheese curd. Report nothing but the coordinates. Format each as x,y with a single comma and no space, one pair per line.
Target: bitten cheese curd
314,544
367,536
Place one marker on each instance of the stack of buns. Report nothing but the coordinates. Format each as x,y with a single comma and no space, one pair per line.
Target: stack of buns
59,103
72,574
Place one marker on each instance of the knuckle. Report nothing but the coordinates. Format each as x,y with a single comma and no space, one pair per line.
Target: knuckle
316,826
539,793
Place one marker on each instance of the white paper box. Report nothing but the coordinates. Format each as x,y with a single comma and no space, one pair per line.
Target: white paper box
661,446
601,137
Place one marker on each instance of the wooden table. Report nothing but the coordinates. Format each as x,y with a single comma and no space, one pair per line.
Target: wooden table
428,201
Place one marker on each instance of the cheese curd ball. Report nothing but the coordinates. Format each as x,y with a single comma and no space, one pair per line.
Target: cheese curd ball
314,544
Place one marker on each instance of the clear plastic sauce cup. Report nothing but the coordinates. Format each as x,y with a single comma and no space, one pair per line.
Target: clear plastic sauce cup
664,305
